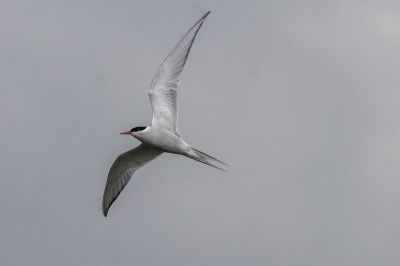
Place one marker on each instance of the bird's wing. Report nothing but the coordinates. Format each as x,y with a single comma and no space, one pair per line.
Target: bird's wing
163,88
123,169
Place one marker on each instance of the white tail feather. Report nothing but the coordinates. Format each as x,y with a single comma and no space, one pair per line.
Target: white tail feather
202,157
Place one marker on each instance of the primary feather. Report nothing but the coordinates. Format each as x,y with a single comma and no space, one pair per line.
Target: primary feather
163,88
123,169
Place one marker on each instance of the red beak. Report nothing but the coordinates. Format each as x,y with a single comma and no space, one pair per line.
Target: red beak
126,133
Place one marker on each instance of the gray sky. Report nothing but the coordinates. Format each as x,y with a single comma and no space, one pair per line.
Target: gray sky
301,98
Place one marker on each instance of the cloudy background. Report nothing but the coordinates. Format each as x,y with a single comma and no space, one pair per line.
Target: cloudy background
301,98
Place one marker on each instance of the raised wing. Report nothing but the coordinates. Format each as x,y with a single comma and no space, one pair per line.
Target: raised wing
163,88
123,169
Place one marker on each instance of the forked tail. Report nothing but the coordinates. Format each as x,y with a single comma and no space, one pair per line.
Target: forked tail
200,156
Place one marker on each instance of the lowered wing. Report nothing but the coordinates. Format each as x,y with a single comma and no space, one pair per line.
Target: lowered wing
123,169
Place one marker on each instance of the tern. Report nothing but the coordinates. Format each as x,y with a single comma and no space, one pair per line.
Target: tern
162,135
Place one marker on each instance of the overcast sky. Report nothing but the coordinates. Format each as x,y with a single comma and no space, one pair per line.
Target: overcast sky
301,98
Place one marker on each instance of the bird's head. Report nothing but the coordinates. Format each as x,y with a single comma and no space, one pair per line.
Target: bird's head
133,131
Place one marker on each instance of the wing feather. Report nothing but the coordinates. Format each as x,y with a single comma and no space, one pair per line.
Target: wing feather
163,89
123,168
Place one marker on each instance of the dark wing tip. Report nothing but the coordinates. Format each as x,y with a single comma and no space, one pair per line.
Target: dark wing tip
105,205
105,208
205,15
108,202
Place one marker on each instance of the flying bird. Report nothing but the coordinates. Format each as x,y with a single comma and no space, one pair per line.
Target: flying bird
162,135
